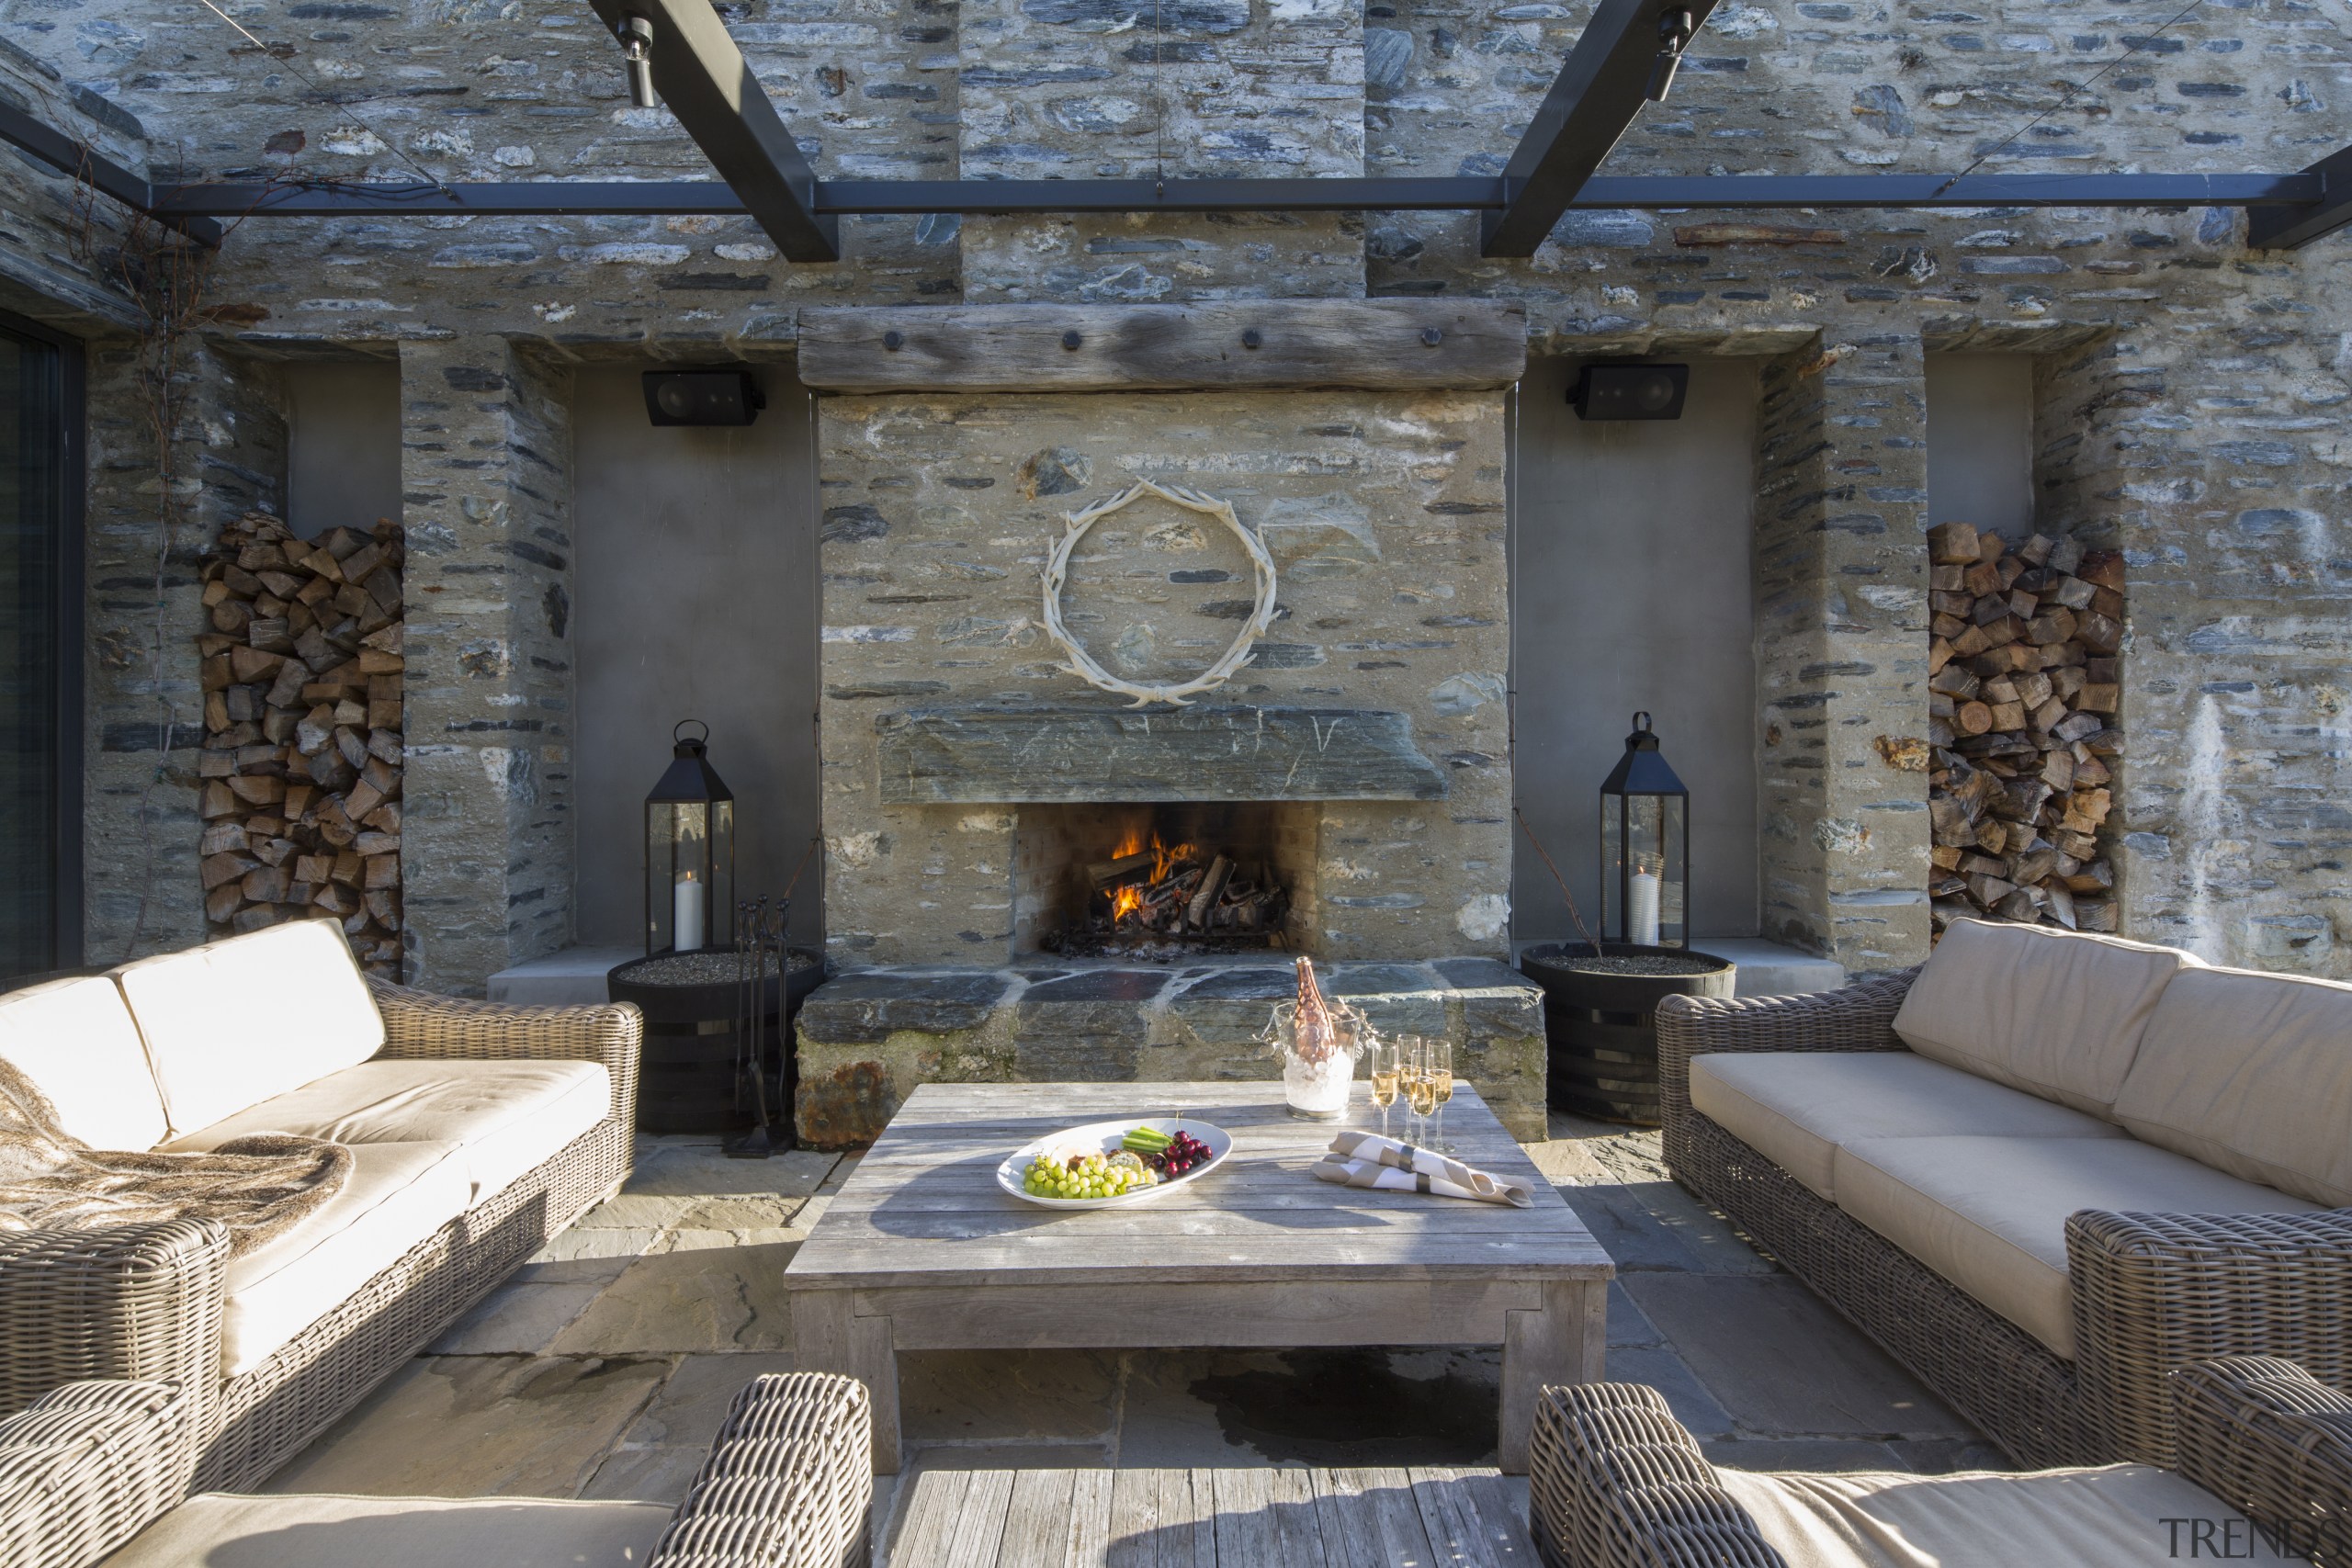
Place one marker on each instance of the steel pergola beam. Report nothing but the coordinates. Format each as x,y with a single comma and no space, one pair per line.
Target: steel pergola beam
702,77
1600,87
2287,195
2331,210
61,153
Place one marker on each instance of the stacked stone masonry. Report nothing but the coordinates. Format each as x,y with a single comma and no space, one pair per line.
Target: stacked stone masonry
868,1039
2188,404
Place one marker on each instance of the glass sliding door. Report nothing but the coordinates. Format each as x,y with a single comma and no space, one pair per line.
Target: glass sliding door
40,530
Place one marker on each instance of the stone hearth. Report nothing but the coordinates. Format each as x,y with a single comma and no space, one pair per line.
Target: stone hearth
867,1038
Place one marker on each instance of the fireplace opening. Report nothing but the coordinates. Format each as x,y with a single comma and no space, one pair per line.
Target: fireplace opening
1160,881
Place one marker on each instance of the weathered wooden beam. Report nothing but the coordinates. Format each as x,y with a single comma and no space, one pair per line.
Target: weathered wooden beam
974,757
1377,345
1601,87
704,80
2287,228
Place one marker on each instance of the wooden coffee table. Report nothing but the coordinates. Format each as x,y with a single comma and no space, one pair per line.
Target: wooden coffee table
921,1249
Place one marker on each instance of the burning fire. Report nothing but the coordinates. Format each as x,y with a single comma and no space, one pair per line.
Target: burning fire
1127,899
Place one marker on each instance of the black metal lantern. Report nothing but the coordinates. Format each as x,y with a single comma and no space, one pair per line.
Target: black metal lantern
1644,848
690,853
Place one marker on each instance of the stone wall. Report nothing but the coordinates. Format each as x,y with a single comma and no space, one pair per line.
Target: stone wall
1385,516
2191,404
486,843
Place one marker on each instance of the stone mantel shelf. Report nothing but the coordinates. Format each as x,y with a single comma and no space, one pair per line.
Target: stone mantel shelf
1025,756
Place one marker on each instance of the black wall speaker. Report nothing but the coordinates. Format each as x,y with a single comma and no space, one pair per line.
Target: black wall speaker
1630,391
702,397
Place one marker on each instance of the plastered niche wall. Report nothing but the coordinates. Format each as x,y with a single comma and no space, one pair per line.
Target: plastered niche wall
1385,516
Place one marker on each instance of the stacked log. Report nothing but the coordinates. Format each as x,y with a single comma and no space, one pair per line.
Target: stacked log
302,751
2023,683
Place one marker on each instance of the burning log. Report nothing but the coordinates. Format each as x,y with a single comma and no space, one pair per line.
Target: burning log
2023,680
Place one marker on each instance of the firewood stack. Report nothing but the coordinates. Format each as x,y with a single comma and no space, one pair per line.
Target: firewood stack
302,763
1188,893
2023,686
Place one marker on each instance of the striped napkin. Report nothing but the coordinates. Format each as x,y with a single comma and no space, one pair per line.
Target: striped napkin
1367,1159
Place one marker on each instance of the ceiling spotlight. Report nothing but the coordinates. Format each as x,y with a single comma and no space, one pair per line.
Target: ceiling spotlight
1674,30
636,48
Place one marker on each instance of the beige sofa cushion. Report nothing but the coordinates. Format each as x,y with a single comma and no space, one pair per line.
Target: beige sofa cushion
2054,1013
2118,1516
397,1195
1796,1107
230,1023
1989,1213
2251,1074
75,1039
505,1117
322,1530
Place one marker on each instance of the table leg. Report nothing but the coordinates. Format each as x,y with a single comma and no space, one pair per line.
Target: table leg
1562,1341
829,1337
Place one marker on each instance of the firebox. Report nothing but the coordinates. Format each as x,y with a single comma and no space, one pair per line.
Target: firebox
1132,880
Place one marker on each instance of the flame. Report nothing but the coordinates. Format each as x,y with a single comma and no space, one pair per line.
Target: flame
1127,899
1164,859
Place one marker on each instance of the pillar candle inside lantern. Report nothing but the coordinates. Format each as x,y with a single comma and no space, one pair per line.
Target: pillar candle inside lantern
686,920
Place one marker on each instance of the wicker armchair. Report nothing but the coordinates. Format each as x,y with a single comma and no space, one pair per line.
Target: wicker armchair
2152,1292
787,1484
85,1466
143,1303
1615,1481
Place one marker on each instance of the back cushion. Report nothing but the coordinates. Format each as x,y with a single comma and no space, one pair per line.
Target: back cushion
232,1023
76,1040
2251,1074
2051,1013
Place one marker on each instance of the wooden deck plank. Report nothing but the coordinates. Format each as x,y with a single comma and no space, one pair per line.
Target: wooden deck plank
927,1524
1502,1519
978,1540
1244,1518
1187,1520
1037,1520
1351,1519
1089,1520
1457,1531
1135,1520
1298,1529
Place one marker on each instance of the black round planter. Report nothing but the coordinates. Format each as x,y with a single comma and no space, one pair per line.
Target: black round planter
685,1080
1602,1029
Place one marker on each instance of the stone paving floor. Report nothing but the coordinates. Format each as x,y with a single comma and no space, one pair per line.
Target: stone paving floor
604,1367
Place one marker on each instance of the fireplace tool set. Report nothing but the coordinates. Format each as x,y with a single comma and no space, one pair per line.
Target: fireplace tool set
760,942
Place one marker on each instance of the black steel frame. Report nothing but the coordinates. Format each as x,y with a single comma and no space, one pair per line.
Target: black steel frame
1600,87
67,739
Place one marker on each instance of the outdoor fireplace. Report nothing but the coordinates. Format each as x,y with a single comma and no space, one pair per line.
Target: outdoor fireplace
1135,880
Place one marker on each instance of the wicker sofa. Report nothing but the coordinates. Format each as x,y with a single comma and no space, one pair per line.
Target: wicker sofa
2043,1171
2264,1474
478,1131
786,1484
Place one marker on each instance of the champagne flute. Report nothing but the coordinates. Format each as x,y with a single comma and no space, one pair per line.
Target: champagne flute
1440,1073
1420,1096
1386,1070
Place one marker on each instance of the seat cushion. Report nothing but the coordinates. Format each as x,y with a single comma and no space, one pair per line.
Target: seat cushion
397,1195
230,1023
2251,1074
1989,1213
323,1530
1796,1107
2118,1516
2055,1013
505,1117
75,1039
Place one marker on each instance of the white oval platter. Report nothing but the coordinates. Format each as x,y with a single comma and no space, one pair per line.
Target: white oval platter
1104,1137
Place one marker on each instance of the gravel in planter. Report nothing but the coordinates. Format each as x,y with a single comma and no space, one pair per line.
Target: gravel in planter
711,968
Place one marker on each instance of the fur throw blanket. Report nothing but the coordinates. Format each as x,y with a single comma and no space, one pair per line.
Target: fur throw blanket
259,1187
